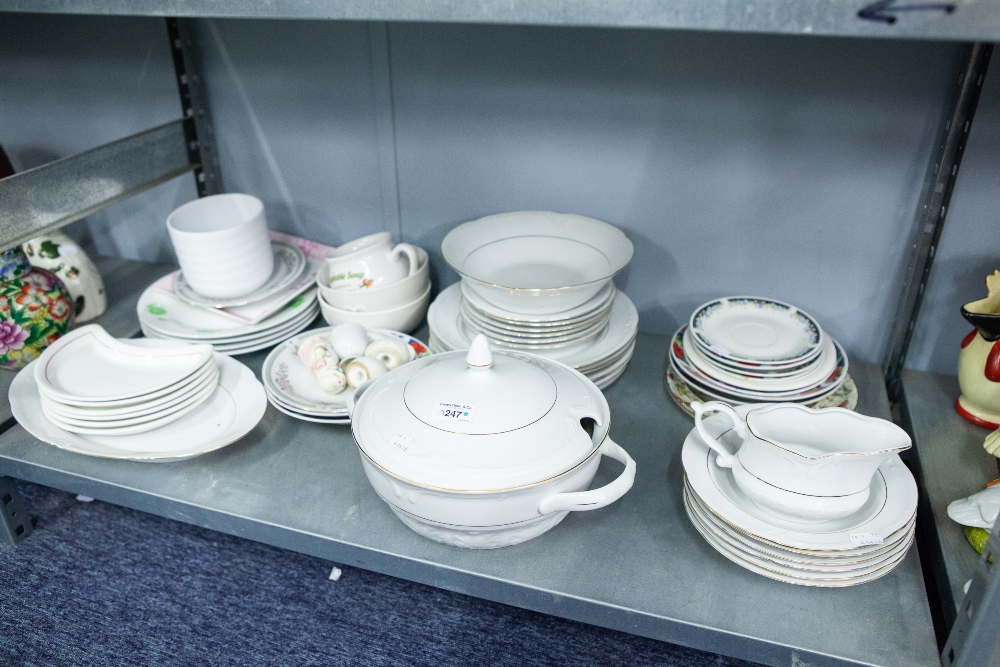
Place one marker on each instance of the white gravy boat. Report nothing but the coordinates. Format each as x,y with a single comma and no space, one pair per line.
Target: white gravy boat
829,452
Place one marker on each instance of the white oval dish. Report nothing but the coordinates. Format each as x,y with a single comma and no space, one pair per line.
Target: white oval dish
230,413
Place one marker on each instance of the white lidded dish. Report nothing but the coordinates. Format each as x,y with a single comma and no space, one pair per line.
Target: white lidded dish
486,449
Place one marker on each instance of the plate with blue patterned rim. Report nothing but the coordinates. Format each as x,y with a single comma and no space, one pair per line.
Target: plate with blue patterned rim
755,330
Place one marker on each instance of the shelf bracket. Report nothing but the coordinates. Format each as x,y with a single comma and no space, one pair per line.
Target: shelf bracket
939,183
199,133
974,640
16,524
55,194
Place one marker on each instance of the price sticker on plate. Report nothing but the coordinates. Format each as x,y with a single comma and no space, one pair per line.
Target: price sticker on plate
461,413
866,539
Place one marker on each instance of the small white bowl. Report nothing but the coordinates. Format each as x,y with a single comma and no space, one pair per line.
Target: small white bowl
382,297
536,262
404,318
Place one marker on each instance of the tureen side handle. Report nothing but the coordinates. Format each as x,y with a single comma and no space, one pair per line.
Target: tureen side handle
595,498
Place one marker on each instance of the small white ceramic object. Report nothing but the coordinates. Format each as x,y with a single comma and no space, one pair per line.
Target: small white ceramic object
482,450
319,357
61,255
980,510
289,382
829,452
222,244
537,261
364,369
289,263
379,296
370,261
405,317
390,351
349,340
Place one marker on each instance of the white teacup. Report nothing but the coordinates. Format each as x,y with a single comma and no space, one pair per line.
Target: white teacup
829,452
222,244
370,260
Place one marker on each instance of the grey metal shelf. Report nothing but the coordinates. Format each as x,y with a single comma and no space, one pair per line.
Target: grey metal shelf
970,20
636,566
953,464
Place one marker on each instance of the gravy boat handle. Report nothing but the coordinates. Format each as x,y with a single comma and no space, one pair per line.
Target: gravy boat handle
723,458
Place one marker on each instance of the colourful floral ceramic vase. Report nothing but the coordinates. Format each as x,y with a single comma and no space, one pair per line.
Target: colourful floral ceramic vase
35,309
59,254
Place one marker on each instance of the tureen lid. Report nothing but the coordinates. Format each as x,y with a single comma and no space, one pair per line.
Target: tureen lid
480,394
482,421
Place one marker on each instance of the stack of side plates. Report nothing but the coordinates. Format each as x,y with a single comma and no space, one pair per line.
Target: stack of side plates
165,315
596,338
854,550
138,399
293,390
89,382
754,350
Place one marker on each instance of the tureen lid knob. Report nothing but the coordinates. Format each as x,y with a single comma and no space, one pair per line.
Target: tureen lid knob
480,355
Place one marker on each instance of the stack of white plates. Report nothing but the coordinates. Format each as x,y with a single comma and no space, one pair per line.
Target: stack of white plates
167,316
602,357
539,282
754,350
843,552
136,398
91,383
293,389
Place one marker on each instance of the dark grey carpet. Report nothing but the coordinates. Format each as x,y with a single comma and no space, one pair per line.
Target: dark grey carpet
98,584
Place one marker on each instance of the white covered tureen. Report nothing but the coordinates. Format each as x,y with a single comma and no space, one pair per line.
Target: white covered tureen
487,449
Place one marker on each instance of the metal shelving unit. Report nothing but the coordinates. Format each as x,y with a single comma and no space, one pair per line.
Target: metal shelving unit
688,594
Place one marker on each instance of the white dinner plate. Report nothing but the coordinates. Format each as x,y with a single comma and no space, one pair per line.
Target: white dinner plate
815,562
136,425
684,393
257,341
891,505
444,319
532,335
755,330
790,576
170,317
289,263
303,416
135,413
819,385
595,306
230,413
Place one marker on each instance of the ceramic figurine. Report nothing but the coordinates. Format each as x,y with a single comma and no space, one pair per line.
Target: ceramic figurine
60,254
35,309
979,360
978,513
992,443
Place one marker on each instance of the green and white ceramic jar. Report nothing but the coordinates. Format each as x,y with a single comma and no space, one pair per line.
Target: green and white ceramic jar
35,309
61,255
